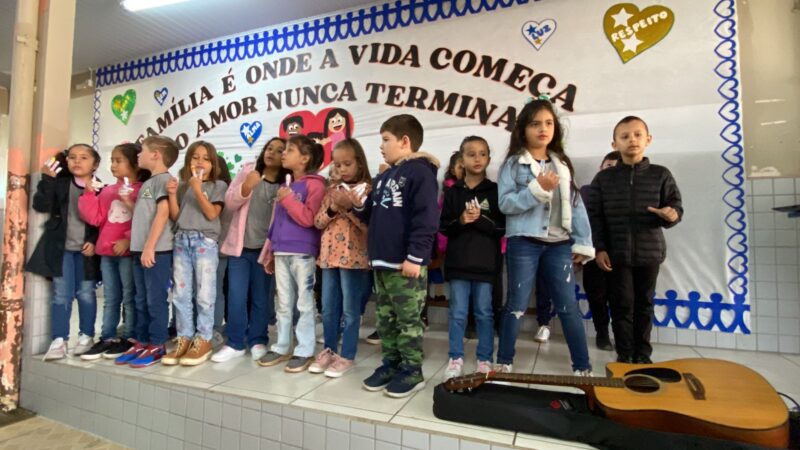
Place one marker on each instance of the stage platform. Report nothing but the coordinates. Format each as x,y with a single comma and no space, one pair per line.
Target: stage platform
239,405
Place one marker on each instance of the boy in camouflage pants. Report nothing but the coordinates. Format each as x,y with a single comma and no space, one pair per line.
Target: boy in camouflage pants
403,216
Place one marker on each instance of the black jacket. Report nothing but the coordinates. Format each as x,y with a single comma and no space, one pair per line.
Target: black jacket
617,207
473,250
402,213
52,196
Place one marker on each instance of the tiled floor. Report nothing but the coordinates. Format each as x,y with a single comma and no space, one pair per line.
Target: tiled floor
242,377
39,433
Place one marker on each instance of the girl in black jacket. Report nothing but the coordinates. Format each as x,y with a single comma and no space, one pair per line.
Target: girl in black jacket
65,252
628,205
472,221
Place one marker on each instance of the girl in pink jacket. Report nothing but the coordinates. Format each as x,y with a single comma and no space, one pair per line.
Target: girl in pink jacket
250,198
111,210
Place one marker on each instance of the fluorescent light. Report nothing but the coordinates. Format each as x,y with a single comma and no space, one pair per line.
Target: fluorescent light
138,5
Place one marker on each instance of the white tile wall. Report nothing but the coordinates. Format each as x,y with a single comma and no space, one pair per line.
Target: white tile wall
130,416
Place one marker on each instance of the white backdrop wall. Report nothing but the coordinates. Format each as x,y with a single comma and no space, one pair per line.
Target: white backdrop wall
466,68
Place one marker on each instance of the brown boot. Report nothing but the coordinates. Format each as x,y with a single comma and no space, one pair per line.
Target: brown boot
199,352
181,347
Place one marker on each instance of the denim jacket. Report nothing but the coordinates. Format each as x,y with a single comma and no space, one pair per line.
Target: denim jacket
527,206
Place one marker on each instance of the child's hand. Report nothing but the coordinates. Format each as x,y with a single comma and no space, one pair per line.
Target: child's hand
667,213
51,167
88,249
344,200
252,179
469,215
547,180
148,258
283,192
95,185
196,180
603,261
409,269
121,246
172,187
269,266
578,259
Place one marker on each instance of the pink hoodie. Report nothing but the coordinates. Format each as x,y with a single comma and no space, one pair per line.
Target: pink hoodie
107,212
238,206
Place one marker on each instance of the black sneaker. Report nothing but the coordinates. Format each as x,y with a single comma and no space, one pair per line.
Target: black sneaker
381,378
97,350
373,338
642,359
625,359
604,343
405,383
119,348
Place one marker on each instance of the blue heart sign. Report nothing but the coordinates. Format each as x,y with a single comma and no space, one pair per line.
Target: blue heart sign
250,132
161,95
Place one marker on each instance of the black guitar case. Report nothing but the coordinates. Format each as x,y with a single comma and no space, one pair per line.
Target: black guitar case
559,415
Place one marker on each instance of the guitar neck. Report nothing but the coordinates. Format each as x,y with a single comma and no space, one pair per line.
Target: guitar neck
559,380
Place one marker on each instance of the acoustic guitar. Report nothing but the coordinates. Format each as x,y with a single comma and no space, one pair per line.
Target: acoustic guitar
706,397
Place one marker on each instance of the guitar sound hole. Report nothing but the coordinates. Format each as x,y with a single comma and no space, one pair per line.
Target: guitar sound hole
641,384
663,374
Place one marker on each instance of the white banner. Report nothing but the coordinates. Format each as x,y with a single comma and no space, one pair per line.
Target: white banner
468,68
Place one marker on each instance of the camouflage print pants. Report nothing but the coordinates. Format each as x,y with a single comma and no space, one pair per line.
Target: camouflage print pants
399,305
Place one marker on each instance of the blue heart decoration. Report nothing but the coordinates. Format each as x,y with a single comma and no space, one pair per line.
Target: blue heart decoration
161,95
250,132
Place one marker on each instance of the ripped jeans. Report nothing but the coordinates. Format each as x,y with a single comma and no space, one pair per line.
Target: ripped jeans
554,263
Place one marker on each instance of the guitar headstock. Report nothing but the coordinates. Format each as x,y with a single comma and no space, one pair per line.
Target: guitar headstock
468,382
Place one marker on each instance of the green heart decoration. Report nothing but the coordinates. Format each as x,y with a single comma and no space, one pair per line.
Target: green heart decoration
237,158
122,105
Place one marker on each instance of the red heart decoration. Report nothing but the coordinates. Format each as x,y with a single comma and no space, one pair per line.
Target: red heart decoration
328,127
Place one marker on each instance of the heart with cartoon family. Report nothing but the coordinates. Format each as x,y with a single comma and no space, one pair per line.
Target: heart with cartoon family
327,127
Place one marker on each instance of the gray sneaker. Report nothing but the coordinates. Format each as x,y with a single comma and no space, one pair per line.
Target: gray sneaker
298,364
272,358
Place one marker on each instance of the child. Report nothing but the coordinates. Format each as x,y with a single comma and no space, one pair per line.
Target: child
628,205
343,259
112,211
403,219
291,251
195,207
151,248
250,199
596,281
546,225
225,219
472,221
66,250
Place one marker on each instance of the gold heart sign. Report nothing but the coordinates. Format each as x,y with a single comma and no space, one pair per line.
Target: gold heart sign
631,31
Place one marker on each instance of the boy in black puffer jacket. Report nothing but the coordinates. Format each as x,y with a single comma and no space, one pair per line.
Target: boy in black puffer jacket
628,205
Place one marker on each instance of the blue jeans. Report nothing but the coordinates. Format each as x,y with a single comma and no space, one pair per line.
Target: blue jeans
294,278
480,293
524,258
247,279
152,291
342,294
195,272
119,290
65,289
544,307
219,306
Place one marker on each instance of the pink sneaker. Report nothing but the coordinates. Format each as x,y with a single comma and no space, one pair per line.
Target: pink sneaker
322,361
339,367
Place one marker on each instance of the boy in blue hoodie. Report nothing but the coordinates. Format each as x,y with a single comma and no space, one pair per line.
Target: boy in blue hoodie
403,216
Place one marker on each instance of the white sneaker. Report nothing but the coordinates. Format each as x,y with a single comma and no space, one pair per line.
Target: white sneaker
226,354
85,344
503,368
57,350
543,335
484,367
583,373
258,351
455,367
